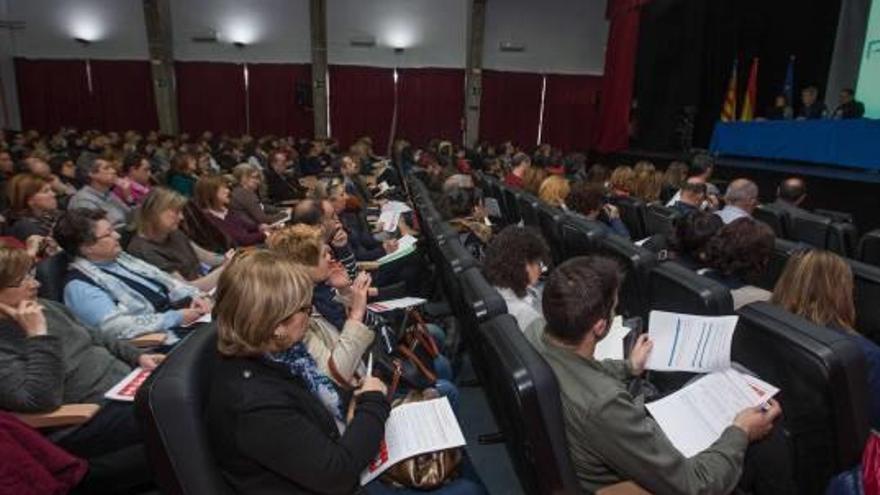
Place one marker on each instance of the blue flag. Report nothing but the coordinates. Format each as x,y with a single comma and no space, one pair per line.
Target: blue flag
788,86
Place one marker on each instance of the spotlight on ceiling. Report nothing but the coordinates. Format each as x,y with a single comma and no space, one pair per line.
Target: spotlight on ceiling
82,41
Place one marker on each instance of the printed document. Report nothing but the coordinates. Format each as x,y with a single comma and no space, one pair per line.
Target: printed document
396,206
413,429
611,347
690,342
127,388
389,220
392,304
694,417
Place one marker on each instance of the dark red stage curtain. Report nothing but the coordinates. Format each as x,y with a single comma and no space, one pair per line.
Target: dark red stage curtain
430,104
210,97
53,93
361,104
570,111
122,92
273,103
620,68
510,107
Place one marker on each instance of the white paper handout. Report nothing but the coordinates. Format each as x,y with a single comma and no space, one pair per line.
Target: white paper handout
397,206
611,347
413,429
392,304
492,207
690,342
126,389
694,417
389,220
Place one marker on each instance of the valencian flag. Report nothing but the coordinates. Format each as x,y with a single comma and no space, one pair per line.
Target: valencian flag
728,112
788,85
751,96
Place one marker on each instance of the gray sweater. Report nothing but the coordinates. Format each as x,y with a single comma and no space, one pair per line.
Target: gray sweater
69,364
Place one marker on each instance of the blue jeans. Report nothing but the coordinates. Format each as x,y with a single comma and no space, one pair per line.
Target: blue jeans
467,483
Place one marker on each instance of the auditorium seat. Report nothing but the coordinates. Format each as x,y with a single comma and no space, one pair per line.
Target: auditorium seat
632,213
51,273
454,259
580,236
524,397
528,209
834,215
481,303
170,406
867,296
809,228
773,216
511,205
676,288
783,249
637,263
843,239
869,248
822,377
492,189
660,220
550,220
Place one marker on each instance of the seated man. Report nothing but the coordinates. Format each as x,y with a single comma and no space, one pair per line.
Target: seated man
611,438
114,292
691,197
740,200
791,195
98,194
849,107
589,200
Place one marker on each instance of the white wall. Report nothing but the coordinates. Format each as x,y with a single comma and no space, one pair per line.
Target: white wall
564,36
10,117
433,33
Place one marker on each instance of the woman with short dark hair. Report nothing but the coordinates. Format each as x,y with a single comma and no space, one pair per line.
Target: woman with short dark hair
213,196
513,263
737,255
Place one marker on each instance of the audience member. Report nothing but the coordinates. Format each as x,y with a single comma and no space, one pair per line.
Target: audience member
114,292
811,108
463,209
98,194
212,195
554,191
611,438
849,108
675,176
588,199
281,183
818,285
533,179
702,166
245,199
791,195
620,184
691,196
182,175
33,207
737,256
598,174
136,169
646,183
692,233
520,163
740,200
513,263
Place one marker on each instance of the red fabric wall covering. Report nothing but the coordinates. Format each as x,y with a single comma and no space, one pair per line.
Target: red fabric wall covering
272,100
571,110
430,104
361,104
123,95
210,97
510,107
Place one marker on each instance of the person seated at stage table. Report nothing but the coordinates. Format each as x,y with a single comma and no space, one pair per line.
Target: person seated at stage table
811,107
114,292
48,359
691,197
245,198
212,196
791,195
519,165
818,285
159,241
848,108
513,263
588,199
740,200
780,110
737,256
611,438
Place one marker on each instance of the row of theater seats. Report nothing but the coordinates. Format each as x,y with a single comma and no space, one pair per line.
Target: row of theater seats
822,375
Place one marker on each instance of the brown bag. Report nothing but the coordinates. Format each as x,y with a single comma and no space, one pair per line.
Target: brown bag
425,471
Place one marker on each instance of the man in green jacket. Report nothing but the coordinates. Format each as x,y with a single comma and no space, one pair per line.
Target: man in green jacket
611,438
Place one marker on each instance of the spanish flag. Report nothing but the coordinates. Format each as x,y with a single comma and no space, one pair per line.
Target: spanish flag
751,96
728,112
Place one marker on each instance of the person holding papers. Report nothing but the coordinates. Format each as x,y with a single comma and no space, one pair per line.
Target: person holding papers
48,358
611,438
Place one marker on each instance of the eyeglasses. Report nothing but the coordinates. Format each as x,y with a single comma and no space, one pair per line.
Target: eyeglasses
29,275
108,234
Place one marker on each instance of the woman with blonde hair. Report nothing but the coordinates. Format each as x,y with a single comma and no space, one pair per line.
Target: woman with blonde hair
533,178
245,199
818,285
554,191
621,181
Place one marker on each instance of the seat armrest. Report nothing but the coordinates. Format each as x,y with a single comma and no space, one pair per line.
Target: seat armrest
66,415
623,488
148,340
369,266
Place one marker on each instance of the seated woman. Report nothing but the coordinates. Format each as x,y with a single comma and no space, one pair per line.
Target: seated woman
621,182
212,195
245,199
513,263
818,285
588,199
49,359
182,175
554,191
114,292
692,234
463,209
159,241
33,206
737,255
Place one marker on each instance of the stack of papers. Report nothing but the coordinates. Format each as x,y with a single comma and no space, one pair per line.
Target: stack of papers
414,429
406,246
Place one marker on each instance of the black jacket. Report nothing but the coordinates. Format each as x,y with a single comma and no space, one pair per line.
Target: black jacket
271,435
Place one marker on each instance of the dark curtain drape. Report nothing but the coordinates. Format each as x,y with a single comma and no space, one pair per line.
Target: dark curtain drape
272,98
430,105
53,93
361,104
619,75
123,95
571,111
510,107
211,97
